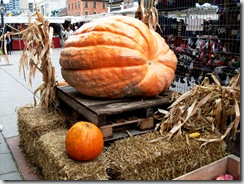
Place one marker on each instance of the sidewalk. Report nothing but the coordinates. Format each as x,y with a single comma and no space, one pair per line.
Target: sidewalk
15,92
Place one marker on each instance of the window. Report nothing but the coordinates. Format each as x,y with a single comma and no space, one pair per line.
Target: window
75,5
127,2
79,4
72,6
94,4
103,5
69,6
86,4
94,13
86,13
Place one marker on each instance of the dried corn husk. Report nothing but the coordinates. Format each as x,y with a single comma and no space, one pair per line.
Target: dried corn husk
205,107
37,38
3,45
148,14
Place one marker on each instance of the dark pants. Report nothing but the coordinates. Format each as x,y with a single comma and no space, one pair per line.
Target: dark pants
9,48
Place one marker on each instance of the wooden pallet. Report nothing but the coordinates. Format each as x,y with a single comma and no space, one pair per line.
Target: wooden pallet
141,124
133,116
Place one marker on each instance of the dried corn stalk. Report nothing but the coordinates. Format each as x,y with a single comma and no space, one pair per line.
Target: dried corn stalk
206,106
37,38
148,14
3,47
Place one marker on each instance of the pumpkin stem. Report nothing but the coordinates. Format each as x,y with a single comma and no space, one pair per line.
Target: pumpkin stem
88,125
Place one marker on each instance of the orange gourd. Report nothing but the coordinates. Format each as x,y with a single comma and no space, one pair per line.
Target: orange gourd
84,141
116,57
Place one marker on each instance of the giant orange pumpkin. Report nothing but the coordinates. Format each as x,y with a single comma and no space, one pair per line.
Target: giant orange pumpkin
116,57
84,141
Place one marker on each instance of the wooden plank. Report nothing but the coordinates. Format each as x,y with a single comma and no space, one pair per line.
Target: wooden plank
146,123
128,105
125,122
118,134
141,124
106,106
80,108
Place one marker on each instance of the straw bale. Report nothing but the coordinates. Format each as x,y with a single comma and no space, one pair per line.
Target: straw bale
42,138
34,122
134,158
57,165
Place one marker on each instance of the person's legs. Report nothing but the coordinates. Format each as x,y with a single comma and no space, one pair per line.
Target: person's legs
8,49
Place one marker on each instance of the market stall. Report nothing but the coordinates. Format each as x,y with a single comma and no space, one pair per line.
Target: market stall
18,44
21,22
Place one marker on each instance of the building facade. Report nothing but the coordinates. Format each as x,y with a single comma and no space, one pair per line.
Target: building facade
117,5
23,5
13,6
46,7
86,7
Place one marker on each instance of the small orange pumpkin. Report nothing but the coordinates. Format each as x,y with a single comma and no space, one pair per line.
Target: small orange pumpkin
84,141
116,57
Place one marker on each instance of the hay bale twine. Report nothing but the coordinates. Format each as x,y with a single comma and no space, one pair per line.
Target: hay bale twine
55,163
34,122
134,158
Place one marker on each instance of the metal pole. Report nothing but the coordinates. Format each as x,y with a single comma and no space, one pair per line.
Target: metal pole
1,126
2,29
2,21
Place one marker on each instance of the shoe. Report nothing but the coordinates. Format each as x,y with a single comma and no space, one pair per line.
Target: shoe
182,81
1,128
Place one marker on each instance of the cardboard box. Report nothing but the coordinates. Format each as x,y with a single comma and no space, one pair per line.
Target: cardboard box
227,165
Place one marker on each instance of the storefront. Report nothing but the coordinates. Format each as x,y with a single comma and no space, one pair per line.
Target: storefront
21,22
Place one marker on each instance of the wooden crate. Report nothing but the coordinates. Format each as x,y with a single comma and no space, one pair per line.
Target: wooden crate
227,165
112,114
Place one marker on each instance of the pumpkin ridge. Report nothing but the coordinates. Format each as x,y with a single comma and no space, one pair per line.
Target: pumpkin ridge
97,69
162,47
163,51
150,83
74,42
120,93
169,59
169,76
164,55
104,25
113,81
74,60
161,79
138,28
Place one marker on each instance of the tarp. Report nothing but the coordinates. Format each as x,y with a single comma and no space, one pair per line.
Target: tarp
18,19
86,18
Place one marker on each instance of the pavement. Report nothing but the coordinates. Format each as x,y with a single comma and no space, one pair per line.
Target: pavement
15,92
